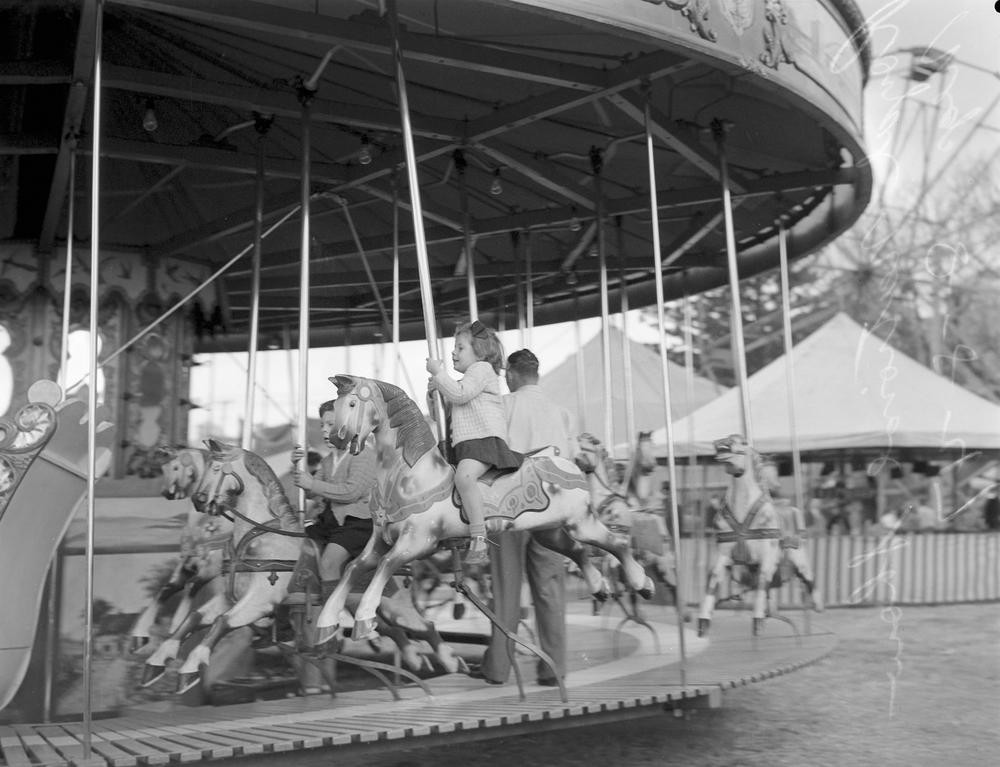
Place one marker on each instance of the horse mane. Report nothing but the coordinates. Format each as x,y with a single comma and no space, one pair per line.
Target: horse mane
277,502
413,435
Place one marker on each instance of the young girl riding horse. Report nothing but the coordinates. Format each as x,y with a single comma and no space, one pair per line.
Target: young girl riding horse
478,423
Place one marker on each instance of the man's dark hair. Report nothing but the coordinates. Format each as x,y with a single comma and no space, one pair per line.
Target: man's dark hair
523,362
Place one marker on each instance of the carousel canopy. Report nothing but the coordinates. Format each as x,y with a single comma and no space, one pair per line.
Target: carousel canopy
647,389
528,122
853,391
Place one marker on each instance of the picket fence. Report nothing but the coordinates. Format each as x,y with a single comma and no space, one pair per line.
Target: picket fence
905,569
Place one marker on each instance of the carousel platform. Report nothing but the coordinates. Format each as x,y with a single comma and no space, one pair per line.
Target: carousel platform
617,671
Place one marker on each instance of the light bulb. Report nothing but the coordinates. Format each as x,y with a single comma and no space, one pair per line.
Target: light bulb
574,224
365,153
149,121
496,188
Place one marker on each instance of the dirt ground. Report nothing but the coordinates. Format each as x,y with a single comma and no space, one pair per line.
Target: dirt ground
909,686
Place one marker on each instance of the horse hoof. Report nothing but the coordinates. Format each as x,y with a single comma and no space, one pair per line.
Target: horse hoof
647,590
817,601
187,682
703,624
138,643
364,629
151,675
758,626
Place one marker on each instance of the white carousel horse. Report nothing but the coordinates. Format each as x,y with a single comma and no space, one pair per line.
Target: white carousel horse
620,510
414,501
202,541
264,554
639,471
748,531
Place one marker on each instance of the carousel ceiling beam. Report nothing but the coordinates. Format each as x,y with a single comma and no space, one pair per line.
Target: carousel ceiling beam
281,103
213,159
430,211
76,103
545,176
35,73
309,27
687,146
22,145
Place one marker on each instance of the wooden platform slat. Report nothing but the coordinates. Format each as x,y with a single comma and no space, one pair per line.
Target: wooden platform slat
13,752
114,756
36,746
145,754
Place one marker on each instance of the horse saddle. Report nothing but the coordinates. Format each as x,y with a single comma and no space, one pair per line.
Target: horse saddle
510,492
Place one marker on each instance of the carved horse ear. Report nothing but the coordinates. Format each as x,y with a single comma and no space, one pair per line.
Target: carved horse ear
214,445
344,384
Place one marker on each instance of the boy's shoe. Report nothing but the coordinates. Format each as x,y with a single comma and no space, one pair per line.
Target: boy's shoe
477,551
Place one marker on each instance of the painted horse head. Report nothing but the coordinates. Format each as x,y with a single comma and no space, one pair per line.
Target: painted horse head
183,471
645,458
735,452
611,506
232,473
363,405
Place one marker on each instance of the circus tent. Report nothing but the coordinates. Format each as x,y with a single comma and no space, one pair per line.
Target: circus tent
852,391
647,385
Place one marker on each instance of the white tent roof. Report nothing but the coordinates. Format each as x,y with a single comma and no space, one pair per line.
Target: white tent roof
852,390
647,388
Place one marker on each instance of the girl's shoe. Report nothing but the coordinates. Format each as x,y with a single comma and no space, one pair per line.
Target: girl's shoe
477,551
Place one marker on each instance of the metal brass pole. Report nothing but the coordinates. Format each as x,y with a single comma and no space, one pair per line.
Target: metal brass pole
420,240
581,381
95,272
786,311
596,163
301,438
68,278
529,291
667,421
258,229
395,281
470,262
736,320
630,428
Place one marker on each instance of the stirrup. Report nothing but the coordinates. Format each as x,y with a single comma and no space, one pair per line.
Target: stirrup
477,551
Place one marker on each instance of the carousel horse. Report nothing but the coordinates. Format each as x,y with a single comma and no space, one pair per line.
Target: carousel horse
619,510
202,541
264,556
748,532
416,508
638,482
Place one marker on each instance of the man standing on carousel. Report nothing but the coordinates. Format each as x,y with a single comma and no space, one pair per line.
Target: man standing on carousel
533,421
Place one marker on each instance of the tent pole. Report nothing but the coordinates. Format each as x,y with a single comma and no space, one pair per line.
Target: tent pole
420,239
667,420
739,350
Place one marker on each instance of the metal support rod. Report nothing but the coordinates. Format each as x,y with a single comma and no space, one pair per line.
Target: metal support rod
95,272
205,283
68,278
630,429
664,372
395,282
736,320
786,315
515,246
302,437
581,381
470,261
596,162
258,229
529,291
420,240
386,326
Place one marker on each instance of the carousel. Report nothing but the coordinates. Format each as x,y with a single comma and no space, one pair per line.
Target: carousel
185,178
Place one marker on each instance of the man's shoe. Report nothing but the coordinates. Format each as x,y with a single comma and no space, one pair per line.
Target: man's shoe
549,682
477,673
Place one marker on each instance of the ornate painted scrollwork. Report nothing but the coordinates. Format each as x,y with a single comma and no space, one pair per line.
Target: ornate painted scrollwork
24,436
696,12
776,52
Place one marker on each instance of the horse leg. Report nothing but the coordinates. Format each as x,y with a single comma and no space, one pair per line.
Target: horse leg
399,612
189,674
142,625
769,561
558,540
715,578
328,620
593,531
156,664
803,569
411,544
